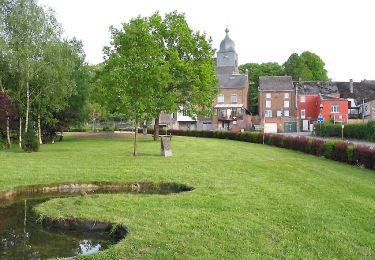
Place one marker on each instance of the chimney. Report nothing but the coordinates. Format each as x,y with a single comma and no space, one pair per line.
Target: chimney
351,86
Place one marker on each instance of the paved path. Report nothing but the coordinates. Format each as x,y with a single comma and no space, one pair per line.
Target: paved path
309,135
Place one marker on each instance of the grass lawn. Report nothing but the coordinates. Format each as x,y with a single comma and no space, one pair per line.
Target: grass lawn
250,200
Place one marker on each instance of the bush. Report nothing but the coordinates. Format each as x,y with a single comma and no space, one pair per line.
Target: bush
317,147
353,131
364,155
30,141
371,131
339,152
108,128
328,149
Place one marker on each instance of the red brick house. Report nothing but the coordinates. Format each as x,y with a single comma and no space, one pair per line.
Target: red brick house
315,98
277,104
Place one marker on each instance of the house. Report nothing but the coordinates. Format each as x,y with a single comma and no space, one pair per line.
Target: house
312,97
230,107
277,104
358,94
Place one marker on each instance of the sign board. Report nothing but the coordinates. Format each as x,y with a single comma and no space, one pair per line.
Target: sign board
166,149
320,120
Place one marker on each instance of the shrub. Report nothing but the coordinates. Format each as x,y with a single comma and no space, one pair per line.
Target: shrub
349,153
371,130
364,155
30,141
328,149
317,147
108,128
339,152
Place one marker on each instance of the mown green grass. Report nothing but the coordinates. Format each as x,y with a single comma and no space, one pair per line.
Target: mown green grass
250,201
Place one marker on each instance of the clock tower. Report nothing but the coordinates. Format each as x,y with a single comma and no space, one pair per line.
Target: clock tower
227,58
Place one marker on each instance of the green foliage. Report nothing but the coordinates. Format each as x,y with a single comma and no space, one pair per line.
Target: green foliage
307,66
352,131
254,72
371,130
30,141
328,149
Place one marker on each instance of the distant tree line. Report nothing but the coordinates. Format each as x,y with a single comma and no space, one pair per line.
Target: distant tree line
307,66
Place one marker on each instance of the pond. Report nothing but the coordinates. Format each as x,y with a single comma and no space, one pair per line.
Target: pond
22,237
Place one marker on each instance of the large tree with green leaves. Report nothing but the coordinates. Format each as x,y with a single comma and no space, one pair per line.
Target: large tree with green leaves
255,71
132,67
307,66
190,78
157,65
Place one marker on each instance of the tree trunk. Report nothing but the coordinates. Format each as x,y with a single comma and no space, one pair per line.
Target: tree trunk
39,130
9,144
27,105
135,151
156,128
20,134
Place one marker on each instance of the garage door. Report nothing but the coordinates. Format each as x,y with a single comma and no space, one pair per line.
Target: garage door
270,128
290,127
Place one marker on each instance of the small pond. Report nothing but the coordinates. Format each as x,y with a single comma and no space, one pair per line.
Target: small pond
21,237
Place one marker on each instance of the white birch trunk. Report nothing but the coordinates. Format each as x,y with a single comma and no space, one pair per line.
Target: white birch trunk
20,134
27,106
9,144
39,130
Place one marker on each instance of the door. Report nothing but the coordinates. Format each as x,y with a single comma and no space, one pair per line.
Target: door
305,125
270,128
290,127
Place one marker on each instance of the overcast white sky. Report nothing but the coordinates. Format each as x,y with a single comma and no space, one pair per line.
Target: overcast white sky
340,32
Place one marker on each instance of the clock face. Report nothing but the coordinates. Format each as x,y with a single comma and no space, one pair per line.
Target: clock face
225,57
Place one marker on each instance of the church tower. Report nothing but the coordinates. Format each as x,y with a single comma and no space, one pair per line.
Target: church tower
227,58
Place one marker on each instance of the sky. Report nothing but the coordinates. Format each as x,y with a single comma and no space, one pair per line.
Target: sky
340,32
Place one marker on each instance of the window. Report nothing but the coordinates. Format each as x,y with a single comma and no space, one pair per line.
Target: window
303,113
286,113
286,95
279,113
268,104
220,98
233,98
335,108
303,99
268,95
286,103
268,113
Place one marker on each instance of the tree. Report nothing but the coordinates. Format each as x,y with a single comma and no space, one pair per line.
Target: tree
255,71
157,65
7,112
307,66
26,29
132,67
190,78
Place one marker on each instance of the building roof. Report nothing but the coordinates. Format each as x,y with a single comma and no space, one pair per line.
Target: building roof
330,98
276,83
364,90
233,81
316,88
227,45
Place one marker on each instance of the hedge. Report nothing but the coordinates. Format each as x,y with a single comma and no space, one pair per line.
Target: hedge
364,131
363,156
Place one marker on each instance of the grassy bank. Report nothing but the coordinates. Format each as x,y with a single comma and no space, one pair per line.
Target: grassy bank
250,200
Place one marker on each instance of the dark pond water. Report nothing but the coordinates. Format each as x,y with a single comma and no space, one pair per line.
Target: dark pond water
22,238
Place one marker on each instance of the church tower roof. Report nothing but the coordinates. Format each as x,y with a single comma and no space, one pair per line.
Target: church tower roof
227,45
